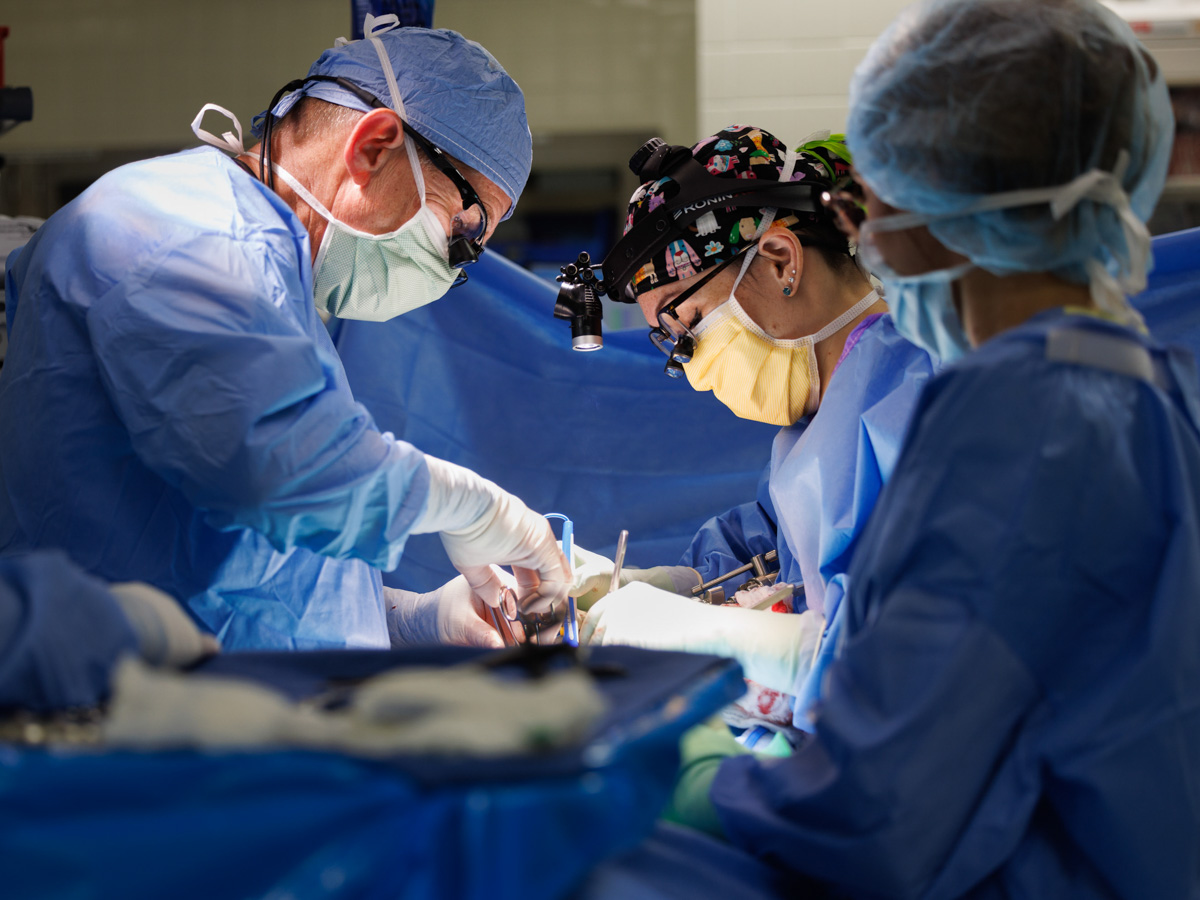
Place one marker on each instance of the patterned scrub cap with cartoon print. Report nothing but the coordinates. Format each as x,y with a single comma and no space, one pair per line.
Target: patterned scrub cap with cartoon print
739,151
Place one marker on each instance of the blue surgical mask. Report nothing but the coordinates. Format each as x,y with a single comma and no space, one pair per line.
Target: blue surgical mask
923,310
922,306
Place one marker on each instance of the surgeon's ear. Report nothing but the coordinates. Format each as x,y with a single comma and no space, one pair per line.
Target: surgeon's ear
782,250
370,143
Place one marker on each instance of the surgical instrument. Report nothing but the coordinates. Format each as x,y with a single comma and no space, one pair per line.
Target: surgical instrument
570,629
710,593
506,632
618,560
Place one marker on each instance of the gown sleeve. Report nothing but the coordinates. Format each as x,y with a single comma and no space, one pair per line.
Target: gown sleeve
227,397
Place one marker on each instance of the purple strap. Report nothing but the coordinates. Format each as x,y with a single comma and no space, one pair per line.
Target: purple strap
852,338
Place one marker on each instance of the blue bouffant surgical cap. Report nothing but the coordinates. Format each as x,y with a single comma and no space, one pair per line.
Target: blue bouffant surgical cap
960,100
454,93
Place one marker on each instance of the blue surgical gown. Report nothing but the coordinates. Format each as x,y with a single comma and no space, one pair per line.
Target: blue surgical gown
826,473
175,412
60,633
1015,711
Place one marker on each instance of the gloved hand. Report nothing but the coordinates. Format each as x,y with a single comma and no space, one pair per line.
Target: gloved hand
483,525
166,634
702,749
592,575
774,650
453,614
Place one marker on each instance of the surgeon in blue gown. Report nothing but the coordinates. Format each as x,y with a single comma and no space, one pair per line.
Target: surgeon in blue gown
174,410
789,332
1015,710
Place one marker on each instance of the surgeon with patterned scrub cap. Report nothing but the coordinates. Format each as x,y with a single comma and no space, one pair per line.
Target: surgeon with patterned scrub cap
185,419
778,320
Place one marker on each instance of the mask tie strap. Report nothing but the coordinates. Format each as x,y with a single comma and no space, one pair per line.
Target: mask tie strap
1061,199
372,25
228,141
416,167
846,317
1109,291
785,174
376,25
303,192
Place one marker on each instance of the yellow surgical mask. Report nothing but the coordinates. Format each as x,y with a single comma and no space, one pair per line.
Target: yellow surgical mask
757,376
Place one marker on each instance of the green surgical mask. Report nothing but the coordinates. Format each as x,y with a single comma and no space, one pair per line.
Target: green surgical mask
379,276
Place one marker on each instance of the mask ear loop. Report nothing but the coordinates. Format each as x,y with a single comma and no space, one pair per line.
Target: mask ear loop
785,174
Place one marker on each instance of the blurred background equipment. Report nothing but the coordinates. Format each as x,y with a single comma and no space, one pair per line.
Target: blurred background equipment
407,12
16,103
16,106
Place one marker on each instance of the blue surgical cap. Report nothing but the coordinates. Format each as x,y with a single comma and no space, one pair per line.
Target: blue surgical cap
963,99
454,93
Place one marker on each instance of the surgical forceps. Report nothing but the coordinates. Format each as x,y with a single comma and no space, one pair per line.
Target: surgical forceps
505,630
534,624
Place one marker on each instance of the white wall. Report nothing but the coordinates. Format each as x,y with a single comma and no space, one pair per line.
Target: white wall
784,65
118,74
592,65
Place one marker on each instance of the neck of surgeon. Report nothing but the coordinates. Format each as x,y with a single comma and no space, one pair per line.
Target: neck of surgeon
989,304
820,292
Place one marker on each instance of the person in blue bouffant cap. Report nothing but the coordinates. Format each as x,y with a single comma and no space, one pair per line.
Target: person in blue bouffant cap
1013,709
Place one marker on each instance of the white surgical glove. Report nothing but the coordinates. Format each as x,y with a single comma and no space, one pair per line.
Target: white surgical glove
592,575
166,634
483,525
453,614
774,650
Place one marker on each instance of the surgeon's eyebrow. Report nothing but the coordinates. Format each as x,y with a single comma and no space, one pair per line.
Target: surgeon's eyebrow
493,213
499,213
665,303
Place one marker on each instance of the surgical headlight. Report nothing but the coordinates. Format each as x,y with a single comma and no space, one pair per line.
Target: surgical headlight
700,191
579,304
